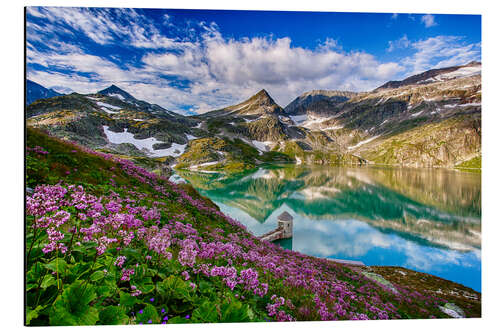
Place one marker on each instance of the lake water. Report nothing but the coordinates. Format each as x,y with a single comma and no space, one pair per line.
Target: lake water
427,220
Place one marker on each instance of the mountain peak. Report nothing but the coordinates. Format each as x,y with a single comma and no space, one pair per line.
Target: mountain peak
259,103
115,91
263,92
263,97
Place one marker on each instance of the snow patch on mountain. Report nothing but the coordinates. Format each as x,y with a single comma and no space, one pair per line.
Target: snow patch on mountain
262,146
197,166
461,72
119,96
108,110
363,142
299,119
109,106
331,128
143,144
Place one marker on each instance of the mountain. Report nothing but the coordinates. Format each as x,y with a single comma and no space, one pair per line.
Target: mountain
426,120
118,93
313,100
431,124
116,122
35,91
432,119
437,75
114,91
264,127
259,104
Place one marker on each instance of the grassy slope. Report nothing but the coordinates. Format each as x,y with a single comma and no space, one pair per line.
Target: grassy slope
472,165
435,144
293,150
62,288
238,155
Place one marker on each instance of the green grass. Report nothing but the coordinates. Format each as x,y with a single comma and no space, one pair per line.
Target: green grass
472,165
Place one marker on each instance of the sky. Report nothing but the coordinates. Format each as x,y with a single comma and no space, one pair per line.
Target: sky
194,61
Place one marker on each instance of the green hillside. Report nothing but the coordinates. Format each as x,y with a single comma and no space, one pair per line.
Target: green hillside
108,242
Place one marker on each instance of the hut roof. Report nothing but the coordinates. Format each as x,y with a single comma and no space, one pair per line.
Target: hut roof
285,216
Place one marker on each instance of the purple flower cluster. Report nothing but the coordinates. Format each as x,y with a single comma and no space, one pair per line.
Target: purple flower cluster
126,273
273,309
233,257
37,149
120,260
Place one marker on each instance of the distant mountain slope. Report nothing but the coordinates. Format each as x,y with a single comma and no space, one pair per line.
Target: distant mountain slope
437,75
35,91
427,120
262,124
116,121
431,119
309,100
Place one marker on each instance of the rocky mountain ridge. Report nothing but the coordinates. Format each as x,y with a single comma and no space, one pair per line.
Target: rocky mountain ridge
428,120
35,91
436,75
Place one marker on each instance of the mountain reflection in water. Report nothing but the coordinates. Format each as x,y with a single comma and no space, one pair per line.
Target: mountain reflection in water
428,220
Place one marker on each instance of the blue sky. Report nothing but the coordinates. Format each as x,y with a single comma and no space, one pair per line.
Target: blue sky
200,60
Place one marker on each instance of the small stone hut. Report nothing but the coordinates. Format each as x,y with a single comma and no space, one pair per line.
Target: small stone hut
285,222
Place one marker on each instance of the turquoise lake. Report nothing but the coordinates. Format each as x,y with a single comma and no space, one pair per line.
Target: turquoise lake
428,220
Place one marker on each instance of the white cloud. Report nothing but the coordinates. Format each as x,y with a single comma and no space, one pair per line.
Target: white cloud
215,71
428,20
441,51
403,42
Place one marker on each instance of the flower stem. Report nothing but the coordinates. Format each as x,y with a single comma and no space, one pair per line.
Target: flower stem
32,243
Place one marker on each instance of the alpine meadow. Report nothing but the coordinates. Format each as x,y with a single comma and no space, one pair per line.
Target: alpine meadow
215,166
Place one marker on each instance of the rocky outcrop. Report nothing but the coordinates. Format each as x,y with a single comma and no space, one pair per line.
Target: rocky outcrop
432,119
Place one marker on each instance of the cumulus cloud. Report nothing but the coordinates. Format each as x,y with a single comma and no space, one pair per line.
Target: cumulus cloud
238,68
403,42
441,51
435,52
196,66
428,20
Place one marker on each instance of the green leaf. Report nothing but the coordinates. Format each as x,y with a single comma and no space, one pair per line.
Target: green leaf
33,313
97,275
178,320
58,264
127,300
72,306
48,281
131,253
148,313
30,286
234,311
113,315
34,273
206,313
104,291
146,288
